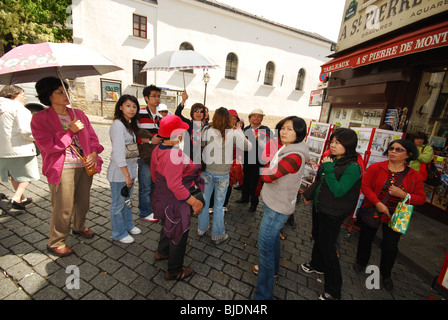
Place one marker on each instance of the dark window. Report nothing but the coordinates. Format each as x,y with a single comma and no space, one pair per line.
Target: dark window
269,74
231,66
140,26
300,79
138,77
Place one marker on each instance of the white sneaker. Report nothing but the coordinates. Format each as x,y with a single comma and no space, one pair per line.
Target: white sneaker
210,210
135,230
150,218
127,239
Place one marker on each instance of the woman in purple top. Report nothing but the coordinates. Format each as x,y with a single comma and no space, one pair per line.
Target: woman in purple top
175,178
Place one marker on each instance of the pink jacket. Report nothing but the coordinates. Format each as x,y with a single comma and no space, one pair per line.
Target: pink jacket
52,141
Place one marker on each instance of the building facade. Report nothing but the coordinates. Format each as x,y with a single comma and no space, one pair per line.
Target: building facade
262,64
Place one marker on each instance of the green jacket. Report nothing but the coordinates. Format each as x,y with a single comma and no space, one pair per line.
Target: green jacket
426,154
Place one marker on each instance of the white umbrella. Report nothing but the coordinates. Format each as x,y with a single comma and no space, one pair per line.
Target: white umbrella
179,60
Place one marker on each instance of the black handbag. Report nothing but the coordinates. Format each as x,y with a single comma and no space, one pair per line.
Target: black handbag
368,217
309,192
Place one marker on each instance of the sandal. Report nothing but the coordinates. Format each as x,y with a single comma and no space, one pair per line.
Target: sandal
185,273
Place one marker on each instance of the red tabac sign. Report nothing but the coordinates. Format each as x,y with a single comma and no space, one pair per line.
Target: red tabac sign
425,39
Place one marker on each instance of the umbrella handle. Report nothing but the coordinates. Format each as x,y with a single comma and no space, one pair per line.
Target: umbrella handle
183,75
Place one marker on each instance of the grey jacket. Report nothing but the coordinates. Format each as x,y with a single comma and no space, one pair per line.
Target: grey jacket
281,196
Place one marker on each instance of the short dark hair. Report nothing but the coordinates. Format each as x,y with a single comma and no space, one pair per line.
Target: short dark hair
410,147
195,106
45,88
420,135
147,90
348,138
298,124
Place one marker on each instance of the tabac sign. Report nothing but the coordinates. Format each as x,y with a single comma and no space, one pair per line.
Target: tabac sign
364,20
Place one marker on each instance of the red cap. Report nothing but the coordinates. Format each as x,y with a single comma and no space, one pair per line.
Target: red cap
233,113
172,125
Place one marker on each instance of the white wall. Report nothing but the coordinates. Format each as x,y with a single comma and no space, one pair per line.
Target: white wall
106,26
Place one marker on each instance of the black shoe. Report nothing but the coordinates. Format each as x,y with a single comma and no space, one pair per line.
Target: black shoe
3,196
242,201
26,202
253,208
16,205
388,284
238,188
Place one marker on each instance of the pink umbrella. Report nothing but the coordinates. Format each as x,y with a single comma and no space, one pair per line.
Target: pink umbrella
32,62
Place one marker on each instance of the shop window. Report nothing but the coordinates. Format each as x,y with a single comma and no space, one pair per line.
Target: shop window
186,46
269,73
231,66
300,79
138,77
430,111
140,27
346,118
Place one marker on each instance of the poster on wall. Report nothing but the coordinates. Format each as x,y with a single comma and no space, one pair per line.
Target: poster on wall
110,90
316,98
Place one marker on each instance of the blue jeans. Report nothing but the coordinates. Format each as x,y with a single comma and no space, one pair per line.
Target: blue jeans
268,252
145,189
120,214
219,183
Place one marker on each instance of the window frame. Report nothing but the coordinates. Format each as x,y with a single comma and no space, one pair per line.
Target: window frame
231,70
141,77
300,81
139,32
269,74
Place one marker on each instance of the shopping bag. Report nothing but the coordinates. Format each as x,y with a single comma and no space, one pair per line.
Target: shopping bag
399,221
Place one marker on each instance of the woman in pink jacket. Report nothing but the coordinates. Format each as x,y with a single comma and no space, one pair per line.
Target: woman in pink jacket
57,131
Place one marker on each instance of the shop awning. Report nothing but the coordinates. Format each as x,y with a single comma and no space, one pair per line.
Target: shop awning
431,37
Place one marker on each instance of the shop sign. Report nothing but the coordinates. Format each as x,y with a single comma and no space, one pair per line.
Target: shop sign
374,18
438,37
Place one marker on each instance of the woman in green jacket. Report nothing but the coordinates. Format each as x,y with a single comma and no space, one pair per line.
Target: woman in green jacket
425,153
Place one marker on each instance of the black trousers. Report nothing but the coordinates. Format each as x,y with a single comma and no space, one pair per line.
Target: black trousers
176,252
325,231
389,248
250,182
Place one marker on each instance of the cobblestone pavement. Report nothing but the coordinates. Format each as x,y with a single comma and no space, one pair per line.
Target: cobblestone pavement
111,270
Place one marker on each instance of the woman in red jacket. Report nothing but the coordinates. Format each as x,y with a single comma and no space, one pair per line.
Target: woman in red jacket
379,180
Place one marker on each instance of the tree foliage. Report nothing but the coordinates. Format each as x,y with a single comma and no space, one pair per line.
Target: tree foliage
32,21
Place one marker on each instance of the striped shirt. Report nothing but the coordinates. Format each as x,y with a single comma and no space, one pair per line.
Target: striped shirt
149,121
393,201
288,164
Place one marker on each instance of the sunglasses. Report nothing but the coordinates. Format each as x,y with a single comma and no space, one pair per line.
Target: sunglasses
198,110
399,150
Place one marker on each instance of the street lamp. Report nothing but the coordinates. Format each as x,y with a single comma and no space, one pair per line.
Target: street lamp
206,79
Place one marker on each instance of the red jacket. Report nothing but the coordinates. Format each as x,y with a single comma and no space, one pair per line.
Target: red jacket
375,178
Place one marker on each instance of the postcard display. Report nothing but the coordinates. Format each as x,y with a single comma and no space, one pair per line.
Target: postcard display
318,141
